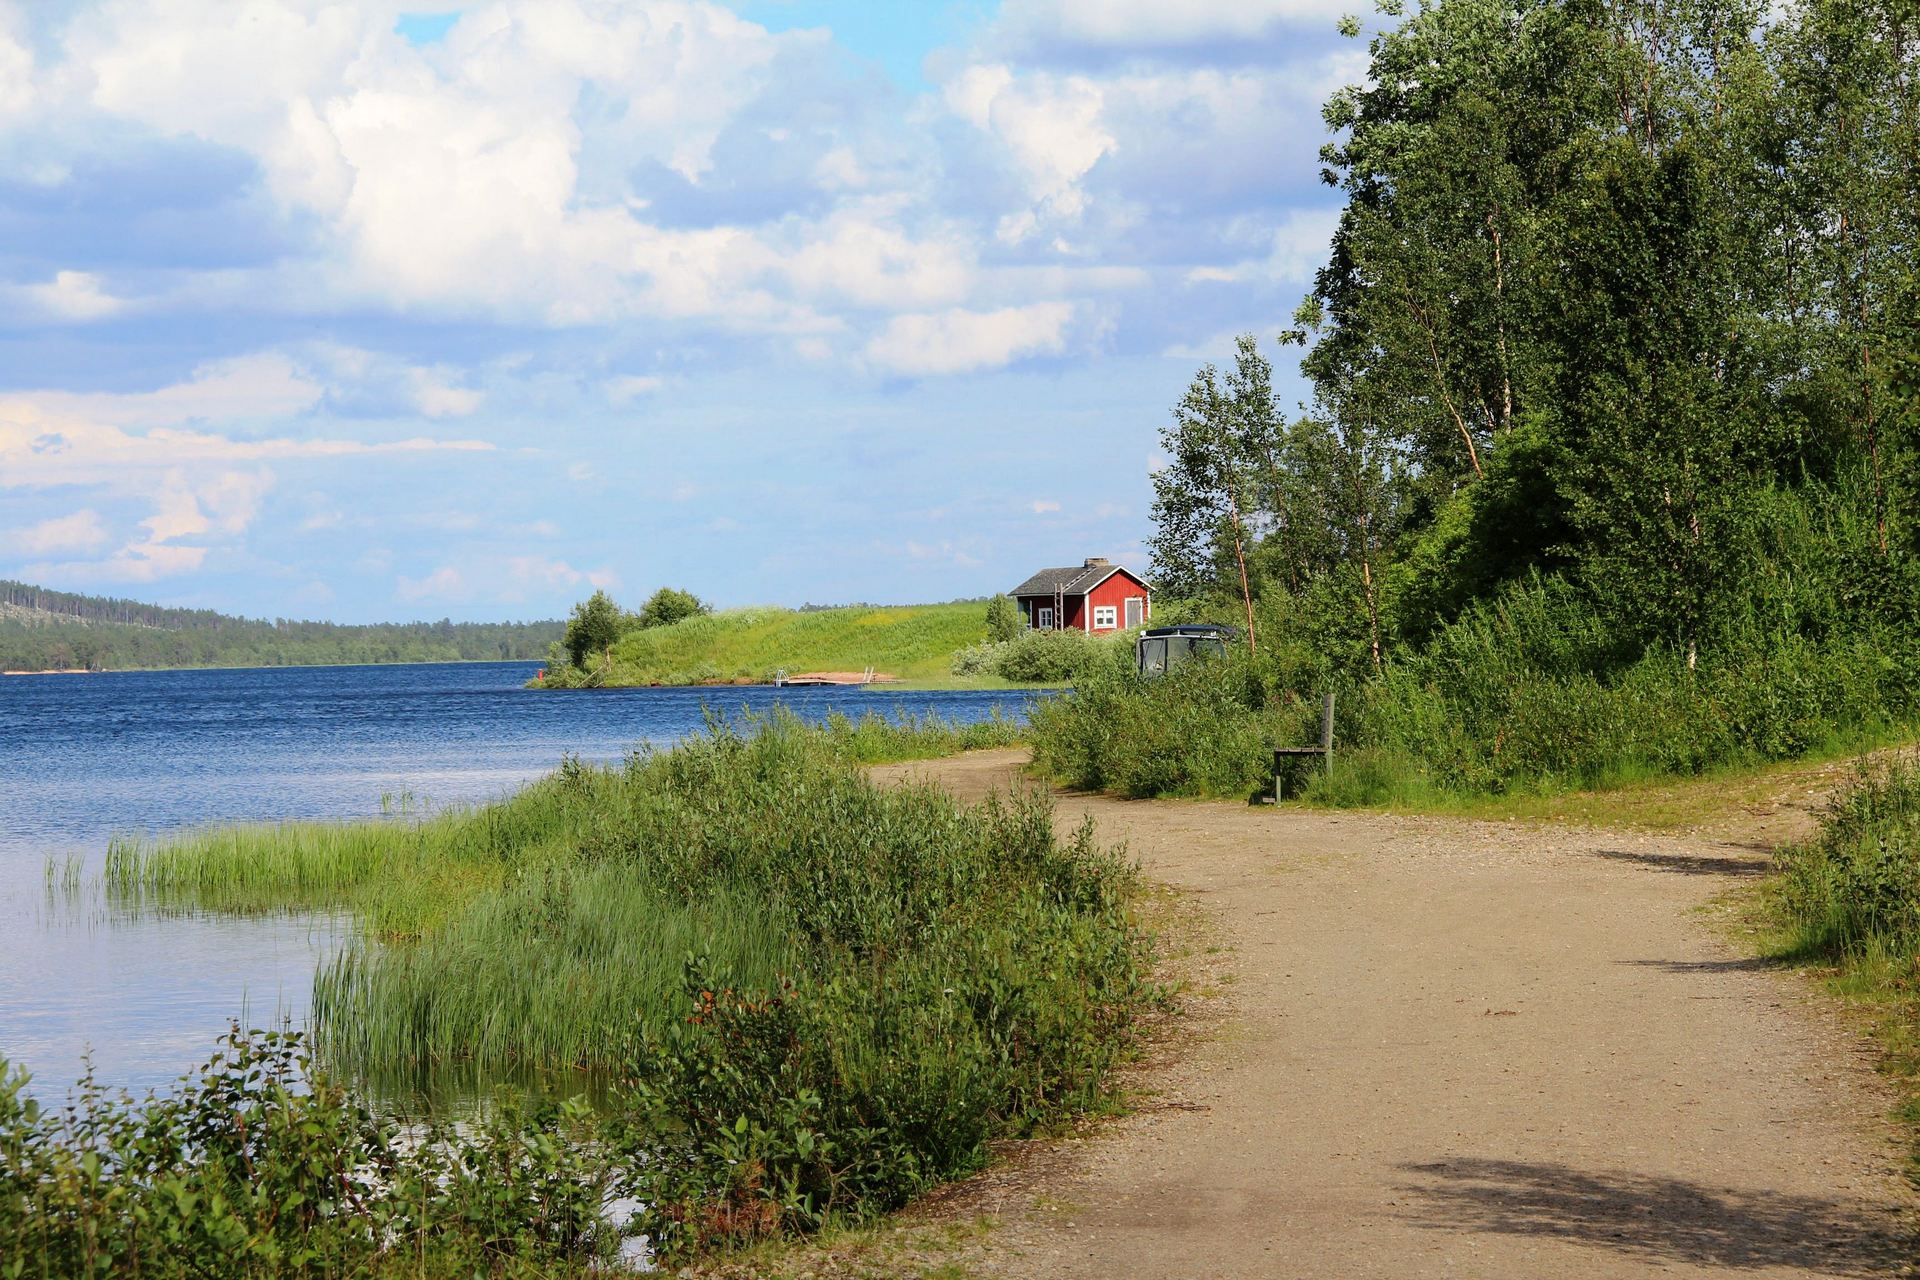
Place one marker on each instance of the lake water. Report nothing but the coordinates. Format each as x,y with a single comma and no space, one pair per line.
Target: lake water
85,758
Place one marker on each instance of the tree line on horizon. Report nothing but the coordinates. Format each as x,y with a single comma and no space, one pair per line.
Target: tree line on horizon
46,630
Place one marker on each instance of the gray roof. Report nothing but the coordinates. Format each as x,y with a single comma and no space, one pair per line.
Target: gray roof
1072,580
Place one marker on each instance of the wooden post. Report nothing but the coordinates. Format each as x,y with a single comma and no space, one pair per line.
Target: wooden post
1326,731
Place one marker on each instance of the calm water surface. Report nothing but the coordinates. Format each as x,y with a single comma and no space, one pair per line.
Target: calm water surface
85,758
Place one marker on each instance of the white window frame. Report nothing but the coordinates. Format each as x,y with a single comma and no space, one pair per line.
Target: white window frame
1106,617
1043,618
1142,602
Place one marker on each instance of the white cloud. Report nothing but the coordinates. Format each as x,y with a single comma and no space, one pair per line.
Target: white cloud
1300,247
1051,126
75,534
1043,506
541,571
630,387
959,340
60,437
1132,24
71,297
437,397
444,583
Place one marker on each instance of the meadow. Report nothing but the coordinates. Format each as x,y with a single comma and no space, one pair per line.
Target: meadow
816,996
913,642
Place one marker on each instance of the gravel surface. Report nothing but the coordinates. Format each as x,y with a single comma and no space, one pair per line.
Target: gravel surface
1427,1047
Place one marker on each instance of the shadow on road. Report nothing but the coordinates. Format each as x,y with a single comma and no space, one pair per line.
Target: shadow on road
1746,964
1689,864
1659,1219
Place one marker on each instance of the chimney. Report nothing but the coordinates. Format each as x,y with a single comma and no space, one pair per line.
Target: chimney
1096,562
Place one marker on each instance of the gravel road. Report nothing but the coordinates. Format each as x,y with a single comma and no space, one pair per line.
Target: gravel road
1429,1047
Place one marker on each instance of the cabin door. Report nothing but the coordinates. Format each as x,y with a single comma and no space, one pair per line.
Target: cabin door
1136,611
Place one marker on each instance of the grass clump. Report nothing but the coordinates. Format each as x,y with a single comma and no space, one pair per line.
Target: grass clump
1847,902
820,996
1851,894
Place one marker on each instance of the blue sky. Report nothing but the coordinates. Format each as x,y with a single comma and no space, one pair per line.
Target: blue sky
367,310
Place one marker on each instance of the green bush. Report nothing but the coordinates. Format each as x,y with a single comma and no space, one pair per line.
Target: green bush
1854,889
827,994
1056,657
1530,691
256,1167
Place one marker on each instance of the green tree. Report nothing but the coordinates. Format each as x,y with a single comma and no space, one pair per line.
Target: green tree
596,623
668,606
1003,619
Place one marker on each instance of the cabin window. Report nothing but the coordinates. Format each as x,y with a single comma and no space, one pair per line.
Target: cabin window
1106,616
1043,618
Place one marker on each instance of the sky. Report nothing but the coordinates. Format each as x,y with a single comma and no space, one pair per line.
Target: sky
363,310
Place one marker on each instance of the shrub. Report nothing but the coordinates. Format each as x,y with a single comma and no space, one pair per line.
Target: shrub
1854,888
1532,690
256,1167
1051,657
668,606
1003,619
881,980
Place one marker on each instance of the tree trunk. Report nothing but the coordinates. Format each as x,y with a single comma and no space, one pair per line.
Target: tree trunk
1240,555
1440,381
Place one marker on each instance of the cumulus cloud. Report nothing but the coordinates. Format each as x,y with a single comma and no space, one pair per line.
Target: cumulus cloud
1051,126
444,583
75,534
1299,248
959,340
544,572
71,297
437,397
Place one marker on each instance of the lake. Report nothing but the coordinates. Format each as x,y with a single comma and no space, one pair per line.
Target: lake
85,758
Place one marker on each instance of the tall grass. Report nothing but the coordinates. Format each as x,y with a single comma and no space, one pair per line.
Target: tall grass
1852,892
1528,693
823,994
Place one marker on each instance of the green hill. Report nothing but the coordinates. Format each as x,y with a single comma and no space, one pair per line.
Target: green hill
913,642
44,630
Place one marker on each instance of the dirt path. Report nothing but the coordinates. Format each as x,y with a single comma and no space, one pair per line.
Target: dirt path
1467,1049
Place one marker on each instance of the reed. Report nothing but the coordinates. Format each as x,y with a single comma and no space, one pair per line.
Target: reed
846,991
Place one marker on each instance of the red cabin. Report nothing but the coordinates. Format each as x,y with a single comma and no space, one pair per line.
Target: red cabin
1094,596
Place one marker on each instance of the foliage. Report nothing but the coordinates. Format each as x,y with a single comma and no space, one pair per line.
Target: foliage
42,630
596,623
752,645
827,994
1527,692
668,606
1003,619
1046,657
256,1167
1611,457
1853,890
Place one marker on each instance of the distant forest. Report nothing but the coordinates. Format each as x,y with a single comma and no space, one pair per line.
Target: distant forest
42,630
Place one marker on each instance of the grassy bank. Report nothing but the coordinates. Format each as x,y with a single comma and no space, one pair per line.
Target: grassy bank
1846,904
823,995
1529,698
914,642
